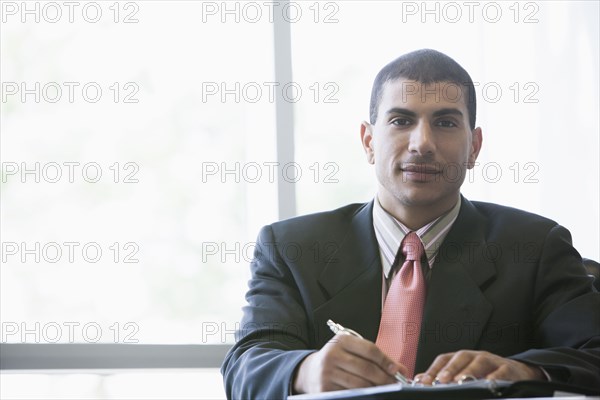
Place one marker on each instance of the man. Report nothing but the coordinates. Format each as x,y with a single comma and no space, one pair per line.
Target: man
500,293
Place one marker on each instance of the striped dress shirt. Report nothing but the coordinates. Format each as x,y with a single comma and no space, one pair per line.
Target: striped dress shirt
390,232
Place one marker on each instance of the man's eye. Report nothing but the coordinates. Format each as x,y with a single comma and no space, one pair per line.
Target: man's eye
400,122
447,124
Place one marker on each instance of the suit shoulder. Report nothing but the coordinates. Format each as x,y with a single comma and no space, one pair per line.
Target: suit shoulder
318,224
512,216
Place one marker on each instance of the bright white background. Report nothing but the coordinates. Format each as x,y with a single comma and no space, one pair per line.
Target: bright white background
192,232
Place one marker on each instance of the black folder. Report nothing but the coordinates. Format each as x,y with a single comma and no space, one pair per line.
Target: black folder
480,389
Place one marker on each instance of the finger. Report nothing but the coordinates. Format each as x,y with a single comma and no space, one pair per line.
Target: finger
334,386
423,378
454,365
366,370
370,352
482,364
342,379
400,368
362,374
440,361
332,382
363,359
330,371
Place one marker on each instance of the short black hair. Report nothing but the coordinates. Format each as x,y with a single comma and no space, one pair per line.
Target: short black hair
425,66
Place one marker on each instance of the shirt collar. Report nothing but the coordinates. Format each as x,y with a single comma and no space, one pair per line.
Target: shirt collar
390,232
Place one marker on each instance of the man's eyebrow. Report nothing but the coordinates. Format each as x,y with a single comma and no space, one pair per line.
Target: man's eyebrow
404,111
446,111
407,112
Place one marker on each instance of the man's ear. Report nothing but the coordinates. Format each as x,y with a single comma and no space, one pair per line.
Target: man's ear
476,142
366,137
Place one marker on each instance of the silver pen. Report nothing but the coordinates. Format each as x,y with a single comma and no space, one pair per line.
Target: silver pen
337,328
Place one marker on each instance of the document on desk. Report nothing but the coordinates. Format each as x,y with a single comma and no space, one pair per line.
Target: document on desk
479,389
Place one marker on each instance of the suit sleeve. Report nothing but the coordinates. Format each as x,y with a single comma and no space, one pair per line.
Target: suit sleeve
273,338
566,315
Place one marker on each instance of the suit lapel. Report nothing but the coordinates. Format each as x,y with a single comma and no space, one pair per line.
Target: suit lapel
456,311
352,280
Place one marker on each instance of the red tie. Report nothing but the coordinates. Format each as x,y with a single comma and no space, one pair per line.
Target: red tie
403,309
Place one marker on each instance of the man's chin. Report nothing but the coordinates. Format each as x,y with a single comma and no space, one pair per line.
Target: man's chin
423,198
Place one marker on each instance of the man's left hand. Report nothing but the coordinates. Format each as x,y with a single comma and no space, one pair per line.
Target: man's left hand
452,367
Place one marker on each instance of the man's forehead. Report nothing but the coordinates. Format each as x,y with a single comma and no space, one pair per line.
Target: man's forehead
406,91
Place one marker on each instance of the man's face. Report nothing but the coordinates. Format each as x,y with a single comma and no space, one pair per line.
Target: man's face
421,144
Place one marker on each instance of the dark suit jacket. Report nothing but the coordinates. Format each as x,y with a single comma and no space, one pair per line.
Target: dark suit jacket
505,281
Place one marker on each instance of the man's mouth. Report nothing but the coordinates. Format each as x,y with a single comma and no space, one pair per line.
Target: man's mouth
420,173
420,168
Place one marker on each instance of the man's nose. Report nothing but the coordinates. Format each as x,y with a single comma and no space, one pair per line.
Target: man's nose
421,139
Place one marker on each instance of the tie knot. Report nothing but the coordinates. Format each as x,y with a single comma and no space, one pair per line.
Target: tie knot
412,247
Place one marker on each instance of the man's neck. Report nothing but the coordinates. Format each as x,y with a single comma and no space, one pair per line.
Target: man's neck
416,216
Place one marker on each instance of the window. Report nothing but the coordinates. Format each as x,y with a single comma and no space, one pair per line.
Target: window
125,147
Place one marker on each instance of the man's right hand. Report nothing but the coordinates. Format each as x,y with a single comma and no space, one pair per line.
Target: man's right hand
345,362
